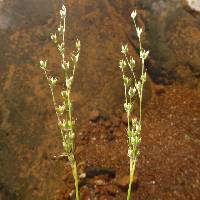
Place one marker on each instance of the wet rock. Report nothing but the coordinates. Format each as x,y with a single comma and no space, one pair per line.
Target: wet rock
123,182
96,171
94,116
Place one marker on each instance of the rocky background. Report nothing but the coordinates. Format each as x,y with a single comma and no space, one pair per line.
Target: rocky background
29,136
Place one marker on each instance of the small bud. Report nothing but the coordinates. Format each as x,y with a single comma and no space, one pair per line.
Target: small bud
61,48
78,45
132,140
62,124
130,152
128,107
71,135
65,65
69,82
127,81
54,37
64,94
144,54
76,57
122,64
124,49
60,109
43,64
52,81
139,31
134,121
133,14
132,64
132,92
138,86
63,12
138,128
143,77
61,29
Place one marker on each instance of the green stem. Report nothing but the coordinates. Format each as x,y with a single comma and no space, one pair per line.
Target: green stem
53,97
75,174
141,107
132,171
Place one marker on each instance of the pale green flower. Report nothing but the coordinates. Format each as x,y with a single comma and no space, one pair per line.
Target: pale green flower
43,64
122,64
133,14
124,49
52,81
139,31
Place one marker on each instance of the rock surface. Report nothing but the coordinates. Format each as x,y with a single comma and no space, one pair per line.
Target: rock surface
29,134
173,39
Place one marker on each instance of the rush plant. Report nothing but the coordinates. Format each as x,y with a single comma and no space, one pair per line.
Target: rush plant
133,89
64,111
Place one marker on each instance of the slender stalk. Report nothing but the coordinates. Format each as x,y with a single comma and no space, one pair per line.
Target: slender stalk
132,172
64,111
132,91
75,174
52,94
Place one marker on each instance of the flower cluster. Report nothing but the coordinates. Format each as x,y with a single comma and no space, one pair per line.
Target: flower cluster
133,88
64,111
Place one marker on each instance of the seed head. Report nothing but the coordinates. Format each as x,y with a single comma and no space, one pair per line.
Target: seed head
139,31
124,49
43,64
143,77
54,37
64,94
132,64
78,45
122,64
60,109
69,82
63,12
132,92
61,29
127,81
52,81
128,107
133,14
144,54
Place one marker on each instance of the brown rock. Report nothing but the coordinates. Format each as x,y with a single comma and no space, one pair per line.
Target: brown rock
112,190
123,182
99,182
94,115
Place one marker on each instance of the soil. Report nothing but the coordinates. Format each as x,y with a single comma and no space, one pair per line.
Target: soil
168,166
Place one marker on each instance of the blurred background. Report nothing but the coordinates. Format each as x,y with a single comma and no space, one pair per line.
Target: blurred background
168,167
